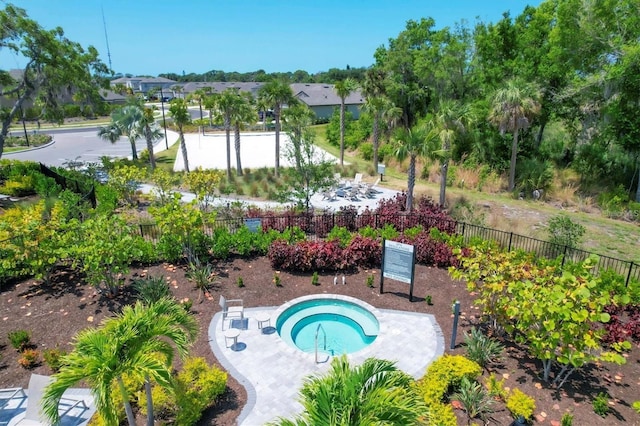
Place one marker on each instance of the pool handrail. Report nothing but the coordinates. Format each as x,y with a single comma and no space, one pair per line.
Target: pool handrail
324,333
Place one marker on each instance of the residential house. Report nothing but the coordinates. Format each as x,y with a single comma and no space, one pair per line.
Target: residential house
323,100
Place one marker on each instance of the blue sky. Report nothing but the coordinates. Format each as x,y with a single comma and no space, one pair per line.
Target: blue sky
149,37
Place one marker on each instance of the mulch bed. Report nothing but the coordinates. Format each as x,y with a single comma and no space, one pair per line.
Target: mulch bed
54,313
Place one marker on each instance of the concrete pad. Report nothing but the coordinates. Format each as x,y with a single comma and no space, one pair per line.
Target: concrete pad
273,372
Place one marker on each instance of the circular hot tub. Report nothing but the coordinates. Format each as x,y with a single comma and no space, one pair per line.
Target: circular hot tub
331,324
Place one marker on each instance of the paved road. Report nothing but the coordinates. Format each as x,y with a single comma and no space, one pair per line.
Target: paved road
81,145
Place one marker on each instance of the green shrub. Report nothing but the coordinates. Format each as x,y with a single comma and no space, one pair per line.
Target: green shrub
151,289
240,282
636,406
53,358
520,404
566,420
370,279
601,404
19,186
564,231
366,151
20,339
533,174
385,150
480,348
315,280
341,234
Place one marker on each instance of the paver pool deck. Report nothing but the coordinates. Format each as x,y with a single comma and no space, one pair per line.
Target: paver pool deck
273,372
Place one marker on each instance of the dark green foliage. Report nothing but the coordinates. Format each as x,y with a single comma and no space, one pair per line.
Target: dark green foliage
150,289
20,339
601,404
533,174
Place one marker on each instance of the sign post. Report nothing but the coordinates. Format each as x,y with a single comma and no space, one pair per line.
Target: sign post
398,263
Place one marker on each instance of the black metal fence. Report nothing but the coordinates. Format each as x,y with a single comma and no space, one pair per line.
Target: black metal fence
72,185
318,226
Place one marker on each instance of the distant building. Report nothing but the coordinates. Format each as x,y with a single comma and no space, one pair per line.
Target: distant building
323,100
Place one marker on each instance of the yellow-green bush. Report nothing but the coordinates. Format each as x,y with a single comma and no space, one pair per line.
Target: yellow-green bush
445,374
441,414
521,404
19,186
197,387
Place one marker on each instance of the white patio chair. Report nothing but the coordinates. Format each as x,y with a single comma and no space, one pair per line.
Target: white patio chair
9,394
33,416
357,180
231,308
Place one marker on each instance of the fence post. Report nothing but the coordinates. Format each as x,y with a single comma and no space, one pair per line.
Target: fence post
564,256
629,274
510,239
141,232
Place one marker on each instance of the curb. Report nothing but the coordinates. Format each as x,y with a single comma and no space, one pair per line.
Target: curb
35,148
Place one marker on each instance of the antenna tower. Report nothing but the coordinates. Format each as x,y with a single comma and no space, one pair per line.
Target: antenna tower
106,37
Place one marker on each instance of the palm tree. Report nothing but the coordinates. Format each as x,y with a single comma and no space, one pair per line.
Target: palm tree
373,393
180,113
198,96
450,121
343,90
375,104
210,102
127,344
276,93
296,119
512,109
413,143
125,121
151,132
225,106
243,113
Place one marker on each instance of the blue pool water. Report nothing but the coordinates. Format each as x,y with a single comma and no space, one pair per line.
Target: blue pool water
348,327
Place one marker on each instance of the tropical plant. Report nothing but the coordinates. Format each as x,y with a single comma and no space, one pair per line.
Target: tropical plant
566,420
139,342
125,121
474,399
29,358
276,93
243,113
226,104
481,348
202,277
180,114
512,110
451,121
343,89
151,289
375,392
53,358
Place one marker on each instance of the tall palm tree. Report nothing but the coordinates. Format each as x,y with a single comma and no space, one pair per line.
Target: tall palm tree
373,393
225,106
451,121
512,110
198,96
276,93
243,113
413,143
343,89
125,121
127,344
375,104
210,102
151,132
296,119
180,113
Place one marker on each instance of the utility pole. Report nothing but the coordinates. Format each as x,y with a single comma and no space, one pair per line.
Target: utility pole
164,122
